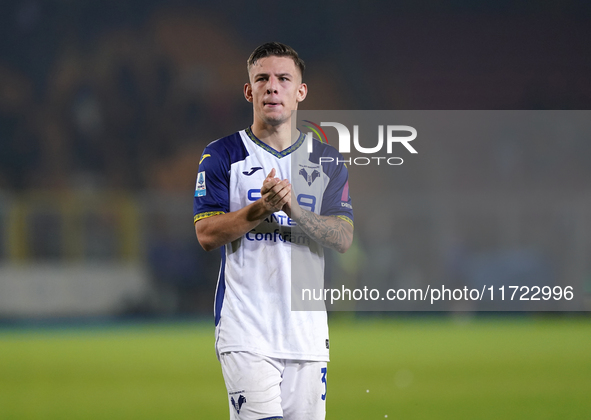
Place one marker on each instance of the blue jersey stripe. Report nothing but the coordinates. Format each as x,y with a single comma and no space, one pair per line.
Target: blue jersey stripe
221,289
211,194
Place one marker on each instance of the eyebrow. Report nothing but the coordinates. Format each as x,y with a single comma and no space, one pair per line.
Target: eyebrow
267,74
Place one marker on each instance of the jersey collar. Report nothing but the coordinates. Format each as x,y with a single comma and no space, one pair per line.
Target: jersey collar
269,149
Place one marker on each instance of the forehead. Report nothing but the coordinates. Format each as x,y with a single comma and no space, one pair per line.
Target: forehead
274,65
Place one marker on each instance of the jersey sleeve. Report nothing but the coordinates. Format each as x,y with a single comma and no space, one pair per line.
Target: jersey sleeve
336,200
212,186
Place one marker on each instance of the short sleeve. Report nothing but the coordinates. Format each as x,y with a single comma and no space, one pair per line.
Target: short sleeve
212,185
336,200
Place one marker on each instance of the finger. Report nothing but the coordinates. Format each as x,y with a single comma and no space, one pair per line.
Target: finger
271,174
282,197
271,193
285,194
277,188
277,199
275,184
285,182
268,184
270,180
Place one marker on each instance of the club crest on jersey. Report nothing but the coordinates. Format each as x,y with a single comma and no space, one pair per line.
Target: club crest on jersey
238,405
309,178
200,185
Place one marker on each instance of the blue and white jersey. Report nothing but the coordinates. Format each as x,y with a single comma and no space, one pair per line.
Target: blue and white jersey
253,296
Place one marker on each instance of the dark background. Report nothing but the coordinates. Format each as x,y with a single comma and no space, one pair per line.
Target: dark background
103,97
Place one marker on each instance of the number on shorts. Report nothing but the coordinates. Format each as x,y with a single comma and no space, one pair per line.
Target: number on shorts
323,370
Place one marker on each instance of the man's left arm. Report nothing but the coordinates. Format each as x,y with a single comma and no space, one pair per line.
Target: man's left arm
329,231
331,227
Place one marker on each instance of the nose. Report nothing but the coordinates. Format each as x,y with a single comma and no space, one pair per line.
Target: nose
271,86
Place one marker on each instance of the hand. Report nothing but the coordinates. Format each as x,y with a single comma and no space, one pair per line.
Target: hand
275,193
292,208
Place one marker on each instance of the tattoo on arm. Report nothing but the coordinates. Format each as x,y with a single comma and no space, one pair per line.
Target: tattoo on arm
329,231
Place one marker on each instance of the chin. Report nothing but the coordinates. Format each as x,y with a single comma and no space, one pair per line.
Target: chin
275,119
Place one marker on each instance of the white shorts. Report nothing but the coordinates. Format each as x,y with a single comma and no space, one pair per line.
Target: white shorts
261,387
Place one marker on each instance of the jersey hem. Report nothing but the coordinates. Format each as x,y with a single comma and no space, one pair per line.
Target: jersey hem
276,355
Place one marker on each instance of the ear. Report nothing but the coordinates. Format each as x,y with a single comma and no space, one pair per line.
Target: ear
302,92
248,92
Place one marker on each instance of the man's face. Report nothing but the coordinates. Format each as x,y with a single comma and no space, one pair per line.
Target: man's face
275,89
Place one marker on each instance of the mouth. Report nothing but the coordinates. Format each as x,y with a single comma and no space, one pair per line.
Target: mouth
271,104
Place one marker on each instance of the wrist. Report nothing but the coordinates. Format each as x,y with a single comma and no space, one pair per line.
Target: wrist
296,212
257,211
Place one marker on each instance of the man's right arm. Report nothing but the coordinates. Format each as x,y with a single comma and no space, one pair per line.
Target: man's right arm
215,231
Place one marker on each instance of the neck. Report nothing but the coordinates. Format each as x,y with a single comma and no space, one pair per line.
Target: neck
279,137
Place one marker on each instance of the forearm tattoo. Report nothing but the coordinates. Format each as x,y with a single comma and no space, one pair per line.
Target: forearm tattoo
329,231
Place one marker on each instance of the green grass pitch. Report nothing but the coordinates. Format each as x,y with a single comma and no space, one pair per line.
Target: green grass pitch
503,368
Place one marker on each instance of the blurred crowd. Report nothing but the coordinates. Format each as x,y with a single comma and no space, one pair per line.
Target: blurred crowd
116,97
124,95
128,107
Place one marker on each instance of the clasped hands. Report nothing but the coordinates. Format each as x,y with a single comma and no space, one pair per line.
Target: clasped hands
276,196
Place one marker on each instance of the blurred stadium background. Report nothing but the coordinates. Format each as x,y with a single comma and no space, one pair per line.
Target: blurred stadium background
105,295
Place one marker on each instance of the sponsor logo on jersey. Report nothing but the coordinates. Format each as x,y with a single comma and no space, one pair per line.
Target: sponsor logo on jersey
327,346
238,405
309,177
252,171
277,235
200,190
203,158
